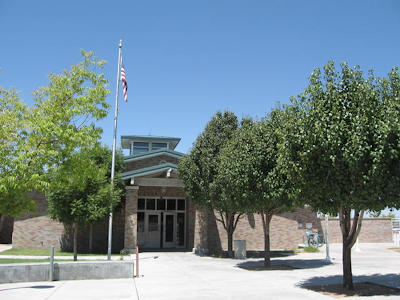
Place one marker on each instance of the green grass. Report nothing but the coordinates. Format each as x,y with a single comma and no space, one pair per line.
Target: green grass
311,249
44,252
26,261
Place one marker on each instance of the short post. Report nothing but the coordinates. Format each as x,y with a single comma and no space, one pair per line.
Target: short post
327,258
137,261
51,270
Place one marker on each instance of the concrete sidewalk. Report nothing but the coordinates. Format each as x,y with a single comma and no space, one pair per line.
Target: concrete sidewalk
180,275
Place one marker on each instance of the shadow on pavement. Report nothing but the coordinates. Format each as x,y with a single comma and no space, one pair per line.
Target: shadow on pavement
391,280
30,287
293,263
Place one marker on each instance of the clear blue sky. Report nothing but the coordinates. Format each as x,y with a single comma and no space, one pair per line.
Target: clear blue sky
187,59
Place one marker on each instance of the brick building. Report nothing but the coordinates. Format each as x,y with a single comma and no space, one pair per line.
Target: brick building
157,214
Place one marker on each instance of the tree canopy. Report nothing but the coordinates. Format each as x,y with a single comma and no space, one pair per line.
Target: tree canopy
343,145
81,192
249,174
39,138
198,170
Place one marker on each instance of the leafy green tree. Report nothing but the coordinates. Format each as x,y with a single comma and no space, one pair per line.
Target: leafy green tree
81,193
249,173
36,139
343,147
198,170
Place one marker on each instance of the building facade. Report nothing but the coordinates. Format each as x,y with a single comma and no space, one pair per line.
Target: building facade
156,214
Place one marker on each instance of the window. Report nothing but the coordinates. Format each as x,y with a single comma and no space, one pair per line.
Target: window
139,147
161,204
181,204
150,204
141,204
155,146
171,204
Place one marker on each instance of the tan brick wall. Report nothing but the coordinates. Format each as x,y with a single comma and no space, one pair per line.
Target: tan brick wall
284,231
131,218
373,230
37,231
201,231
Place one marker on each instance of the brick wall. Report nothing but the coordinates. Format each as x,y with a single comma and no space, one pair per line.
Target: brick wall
37,231
373,230
131,219
286,230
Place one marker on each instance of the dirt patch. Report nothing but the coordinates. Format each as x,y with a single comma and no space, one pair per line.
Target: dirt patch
360,289
272,268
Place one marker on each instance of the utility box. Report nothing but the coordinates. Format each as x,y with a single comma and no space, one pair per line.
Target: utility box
240,249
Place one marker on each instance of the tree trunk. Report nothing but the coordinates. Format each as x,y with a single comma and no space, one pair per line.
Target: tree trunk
266,219
347,273
75,228
350,233
2,219
229,220
230,242
90,238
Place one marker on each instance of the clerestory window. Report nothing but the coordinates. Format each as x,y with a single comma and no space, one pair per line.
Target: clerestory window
139,147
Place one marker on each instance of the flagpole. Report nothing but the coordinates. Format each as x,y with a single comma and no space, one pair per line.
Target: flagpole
110,220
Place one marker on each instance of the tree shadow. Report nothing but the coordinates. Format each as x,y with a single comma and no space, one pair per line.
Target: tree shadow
391,280
293,263
30,287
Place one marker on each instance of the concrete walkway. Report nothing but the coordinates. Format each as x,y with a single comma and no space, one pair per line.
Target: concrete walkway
180,275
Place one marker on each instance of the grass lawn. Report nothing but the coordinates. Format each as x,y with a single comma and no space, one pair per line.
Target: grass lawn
44,252
25,261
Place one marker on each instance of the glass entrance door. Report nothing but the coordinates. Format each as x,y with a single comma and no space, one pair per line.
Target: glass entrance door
169,230
153,224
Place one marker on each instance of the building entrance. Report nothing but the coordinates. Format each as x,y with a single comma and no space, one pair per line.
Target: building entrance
161,223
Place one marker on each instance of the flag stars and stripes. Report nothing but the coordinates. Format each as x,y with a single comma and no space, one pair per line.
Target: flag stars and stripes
124,82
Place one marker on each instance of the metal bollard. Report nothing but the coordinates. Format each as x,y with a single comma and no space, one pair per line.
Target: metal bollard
137,261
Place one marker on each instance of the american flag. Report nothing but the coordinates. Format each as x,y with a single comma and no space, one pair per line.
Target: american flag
124,83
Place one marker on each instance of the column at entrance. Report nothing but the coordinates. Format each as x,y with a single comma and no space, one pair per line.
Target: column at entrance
131,200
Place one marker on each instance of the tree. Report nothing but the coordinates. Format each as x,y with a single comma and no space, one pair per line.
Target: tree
343,147
81,193
249,173
38,139
198,170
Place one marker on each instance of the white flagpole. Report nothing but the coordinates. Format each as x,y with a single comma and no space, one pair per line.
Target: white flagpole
110,220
